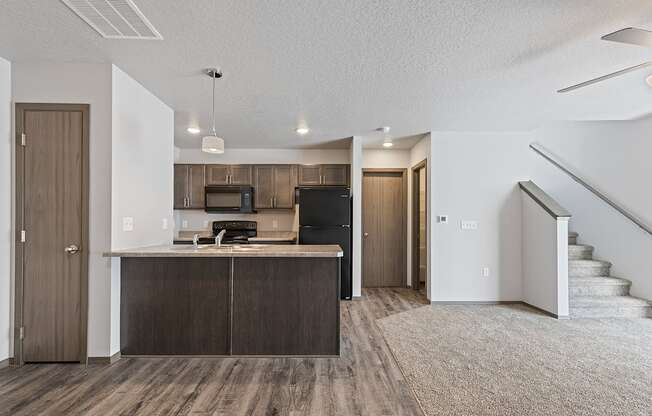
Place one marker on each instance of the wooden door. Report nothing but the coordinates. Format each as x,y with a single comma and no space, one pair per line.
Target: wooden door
335,174
309,175
217,174
51,172
240,175
384,214
180,186
285,180
196,185
264,186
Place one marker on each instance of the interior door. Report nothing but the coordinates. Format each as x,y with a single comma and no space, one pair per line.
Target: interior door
383,228
264,187
52,169
284,184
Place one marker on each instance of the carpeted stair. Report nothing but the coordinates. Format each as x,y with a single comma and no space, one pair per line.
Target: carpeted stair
593,292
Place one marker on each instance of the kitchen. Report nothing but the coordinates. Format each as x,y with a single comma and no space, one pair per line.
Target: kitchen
227,272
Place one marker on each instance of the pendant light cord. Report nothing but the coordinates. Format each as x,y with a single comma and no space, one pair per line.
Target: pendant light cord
214,132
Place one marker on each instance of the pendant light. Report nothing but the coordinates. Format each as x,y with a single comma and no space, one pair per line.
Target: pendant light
212,143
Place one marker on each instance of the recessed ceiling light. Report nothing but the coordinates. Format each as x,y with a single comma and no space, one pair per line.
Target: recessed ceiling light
193,130
388,144
303,130
384,129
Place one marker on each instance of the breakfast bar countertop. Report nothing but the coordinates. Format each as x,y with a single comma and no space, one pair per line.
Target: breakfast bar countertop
247,250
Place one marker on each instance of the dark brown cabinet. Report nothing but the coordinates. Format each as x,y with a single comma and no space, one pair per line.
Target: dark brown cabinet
334,174
274,186
228,174
189,187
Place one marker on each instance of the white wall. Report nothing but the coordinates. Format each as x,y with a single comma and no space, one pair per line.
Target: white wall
142,180
614,156
382,158
6,201
474,176
545,258
85,84
356,231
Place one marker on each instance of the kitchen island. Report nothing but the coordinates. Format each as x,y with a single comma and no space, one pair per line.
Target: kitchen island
249,300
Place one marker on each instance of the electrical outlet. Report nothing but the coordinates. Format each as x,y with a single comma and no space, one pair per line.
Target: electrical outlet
205,223
184,224
485,272
469,225
127,224
164,224
275,224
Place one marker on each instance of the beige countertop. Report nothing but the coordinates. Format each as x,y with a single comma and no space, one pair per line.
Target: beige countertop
281,236
248,250
274,236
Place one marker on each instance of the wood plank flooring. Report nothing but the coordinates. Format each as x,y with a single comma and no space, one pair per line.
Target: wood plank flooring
365,380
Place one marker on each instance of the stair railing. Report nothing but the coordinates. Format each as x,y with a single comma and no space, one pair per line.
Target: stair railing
543,152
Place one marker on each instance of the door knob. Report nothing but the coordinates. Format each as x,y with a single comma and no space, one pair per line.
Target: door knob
366,234
71,249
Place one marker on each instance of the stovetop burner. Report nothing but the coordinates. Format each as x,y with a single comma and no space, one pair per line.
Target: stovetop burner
237,232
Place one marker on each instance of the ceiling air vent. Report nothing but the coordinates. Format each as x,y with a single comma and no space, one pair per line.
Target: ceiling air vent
114,19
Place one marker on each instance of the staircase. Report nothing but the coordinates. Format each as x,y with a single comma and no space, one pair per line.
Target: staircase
593,292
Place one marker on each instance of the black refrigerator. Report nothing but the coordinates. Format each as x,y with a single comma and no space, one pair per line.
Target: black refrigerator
325,218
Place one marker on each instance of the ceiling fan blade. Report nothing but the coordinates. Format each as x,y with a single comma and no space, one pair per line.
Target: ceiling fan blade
606,77
631,35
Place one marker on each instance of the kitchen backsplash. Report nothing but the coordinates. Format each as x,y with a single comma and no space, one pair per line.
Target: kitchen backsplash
196,220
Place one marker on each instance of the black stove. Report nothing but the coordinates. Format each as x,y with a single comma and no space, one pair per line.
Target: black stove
237,232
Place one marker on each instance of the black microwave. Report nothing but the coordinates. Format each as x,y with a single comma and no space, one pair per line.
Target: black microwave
229,198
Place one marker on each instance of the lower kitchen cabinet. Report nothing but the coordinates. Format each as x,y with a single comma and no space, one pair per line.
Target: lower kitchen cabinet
175,306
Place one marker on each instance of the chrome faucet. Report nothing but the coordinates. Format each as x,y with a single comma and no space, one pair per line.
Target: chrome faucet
195,241
219,237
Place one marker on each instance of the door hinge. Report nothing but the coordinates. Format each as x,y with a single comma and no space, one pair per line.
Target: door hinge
23,236
22,332
23,140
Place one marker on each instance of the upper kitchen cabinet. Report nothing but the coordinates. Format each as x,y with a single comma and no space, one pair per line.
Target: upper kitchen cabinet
324,174
274,186
228,174
189,187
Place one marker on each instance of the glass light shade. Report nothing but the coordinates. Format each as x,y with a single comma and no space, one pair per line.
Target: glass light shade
212,144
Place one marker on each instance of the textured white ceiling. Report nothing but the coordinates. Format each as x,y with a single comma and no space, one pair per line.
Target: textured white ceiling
346,67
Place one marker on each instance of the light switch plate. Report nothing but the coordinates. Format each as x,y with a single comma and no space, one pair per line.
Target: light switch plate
205,223
127,224
164,224
275,224
485,272
184,224
442,219
468,225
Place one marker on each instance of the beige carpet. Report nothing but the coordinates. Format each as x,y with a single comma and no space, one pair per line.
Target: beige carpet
512,360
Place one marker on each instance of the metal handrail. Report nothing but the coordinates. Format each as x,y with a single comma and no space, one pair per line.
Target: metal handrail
550,158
